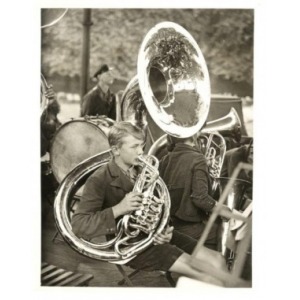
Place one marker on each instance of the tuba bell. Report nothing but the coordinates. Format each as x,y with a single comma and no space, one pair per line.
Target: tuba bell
173,82
173,85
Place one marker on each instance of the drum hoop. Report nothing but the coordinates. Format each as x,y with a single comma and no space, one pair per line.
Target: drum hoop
90,122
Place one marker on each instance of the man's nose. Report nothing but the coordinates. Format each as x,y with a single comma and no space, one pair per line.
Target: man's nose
140,150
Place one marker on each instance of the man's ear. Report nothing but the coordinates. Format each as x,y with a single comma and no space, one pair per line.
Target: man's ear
115,150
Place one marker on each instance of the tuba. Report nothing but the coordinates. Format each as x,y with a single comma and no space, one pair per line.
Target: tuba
173,83
124,247
211,142
171,95
172,86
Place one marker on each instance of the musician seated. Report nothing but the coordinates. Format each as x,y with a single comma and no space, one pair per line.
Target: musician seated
108,196
100,100
185,172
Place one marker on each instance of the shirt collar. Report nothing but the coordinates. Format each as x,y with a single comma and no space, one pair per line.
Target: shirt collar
181,146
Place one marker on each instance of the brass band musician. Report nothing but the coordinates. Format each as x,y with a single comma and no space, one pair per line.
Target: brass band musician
185,172
107,197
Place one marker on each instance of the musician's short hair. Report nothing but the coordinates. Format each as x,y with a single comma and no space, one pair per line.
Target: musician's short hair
122,129
172,141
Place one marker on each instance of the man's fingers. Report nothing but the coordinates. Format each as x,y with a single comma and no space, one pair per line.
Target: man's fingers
136,199
135,193
158,241
169,229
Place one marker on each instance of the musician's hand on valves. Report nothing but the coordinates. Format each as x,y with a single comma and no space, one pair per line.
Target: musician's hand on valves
131,202
164,237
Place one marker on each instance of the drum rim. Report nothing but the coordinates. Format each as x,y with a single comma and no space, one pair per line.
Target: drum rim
83,120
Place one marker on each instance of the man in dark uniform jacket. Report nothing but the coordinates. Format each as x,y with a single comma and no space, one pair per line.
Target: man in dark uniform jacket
185,172
100,100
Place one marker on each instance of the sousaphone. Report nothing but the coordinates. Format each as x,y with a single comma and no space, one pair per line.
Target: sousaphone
172,85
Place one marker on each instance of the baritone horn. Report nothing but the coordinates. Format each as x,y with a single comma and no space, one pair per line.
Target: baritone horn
174,83
211,140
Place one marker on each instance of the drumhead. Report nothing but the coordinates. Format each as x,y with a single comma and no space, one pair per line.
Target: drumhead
74,142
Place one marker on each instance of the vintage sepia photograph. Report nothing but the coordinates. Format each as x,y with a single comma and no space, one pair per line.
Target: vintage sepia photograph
128,161
146,147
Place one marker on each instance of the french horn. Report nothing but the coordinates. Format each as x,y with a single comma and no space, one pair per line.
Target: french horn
174,83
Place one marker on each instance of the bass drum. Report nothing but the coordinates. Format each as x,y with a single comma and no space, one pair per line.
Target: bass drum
76,141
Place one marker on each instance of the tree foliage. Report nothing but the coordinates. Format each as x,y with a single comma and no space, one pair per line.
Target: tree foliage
224,36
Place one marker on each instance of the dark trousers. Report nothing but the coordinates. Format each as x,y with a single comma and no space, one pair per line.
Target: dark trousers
162,257
195,230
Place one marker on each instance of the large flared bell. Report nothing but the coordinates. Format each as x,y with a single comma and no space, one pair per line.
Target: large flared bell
174,80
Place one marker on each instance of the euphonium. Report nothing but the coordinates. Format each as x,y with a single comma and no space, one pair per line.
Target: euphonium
214,145
150,220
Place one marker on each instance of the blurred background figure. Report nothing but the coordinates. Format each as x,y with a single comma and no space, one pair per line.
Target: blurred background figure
49,123
49,120
100,100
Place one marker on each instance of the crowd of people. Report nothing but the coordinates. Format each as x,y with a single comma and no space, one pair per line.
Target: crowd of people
107,194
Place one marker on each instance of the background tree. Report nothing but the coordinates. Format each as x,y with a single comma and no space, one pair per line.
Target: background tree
225,37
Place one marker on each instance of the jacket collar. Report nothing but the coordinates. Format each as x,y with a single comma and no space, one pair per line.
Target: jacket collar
119,178
179,147
101,92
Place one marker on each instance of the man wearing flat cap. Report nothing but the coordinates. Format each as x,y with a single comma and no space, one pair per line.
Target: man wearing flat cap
100,100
